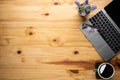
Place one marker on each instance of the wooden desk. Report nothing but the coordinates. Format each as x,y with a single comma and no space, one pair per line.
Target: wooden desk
41,40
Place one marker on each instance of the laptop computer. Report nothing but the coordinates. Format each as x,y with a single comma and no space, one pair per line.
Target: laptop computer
106,39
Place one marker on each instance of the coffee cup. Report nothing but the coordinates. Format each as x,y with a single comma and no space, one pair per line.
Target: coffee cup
105,70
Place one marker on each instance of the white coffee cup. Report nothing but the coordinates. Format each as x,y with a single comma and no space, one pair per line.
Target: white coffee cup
106,70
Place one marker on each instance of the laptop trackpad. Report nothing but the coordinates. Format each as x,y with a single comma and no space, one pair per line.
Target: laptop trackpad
97,40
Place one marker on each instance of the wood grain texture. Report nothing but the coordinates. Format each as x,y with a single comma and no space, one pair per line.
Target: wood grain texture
41,40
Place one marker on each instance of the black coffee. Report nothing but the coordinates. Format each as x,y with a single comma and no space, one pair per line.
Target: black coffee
107,72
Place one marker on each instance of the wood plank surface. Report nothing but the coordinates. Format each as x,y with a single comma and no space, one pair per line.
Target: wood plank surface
41,40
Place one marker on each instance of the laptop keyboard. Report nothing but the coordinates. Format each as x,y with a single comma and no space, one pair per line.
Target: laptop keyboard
107,31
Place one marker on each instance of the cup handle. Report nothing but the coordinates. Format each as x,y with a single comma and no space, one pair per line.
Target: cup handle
95,70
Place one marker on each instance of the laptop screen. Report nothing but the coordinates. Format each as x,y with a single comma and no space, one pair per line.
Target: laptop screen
113,10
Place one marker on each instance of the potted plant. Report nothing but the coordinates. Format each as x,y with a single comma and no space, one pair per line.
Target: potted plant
84,8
